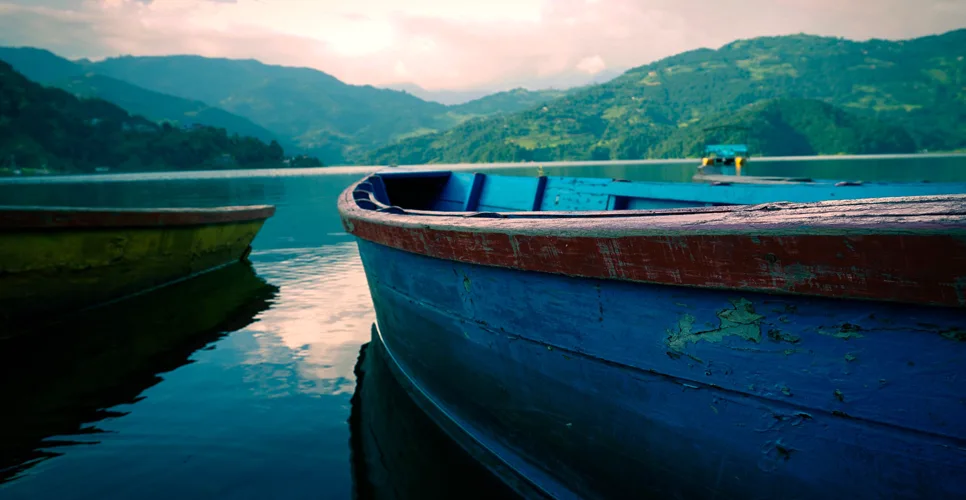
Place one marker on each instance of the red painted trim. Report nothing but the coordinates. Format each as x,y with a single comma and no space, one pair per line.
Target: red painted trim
68,217
861,249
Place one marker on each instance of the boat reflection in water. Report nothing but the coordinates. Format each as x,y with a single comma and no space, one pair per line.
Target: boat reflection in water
58,380
397,452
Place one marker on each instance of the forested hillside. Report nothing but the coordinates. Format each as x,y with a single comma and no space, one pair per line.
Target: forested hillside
918,85
49,129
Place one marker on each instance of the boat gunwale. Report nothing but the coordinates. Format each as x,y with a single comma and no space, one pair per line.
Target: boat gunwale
60,217
832,248
757,219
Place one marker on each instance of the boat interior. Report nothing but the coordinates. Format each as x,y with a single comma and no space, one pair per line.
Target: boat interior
447,191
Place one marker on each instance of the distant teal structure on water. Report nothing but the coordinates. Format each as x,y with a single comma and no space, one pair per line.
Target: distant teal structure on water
726,150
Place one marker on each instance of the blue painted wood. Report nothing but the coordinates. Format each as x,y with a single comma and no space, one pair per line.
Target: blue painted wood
508,194
538,195
575,193
473,198
454,194
512,193
379,190
603,389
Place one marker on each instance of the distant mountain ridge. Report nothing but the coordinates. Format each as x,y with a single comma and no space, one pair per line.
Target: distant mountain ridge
876,87
49,130
458,97
509,101
304,109
314,110
918,85
447,97
47,68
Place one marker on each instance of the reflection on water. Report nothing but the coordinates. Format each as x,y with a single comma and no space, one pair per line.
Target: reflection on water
304,327
257,410
56,380
398,452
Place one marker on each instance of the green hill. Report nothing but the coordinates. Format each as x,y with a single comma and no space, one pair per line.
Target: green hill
49,129
46,68
789,127
314,110
510,101
919,85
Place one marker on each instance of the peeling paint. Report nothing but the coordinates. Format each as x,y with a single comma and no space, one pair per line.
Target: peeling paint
780,336
797,274
956,334
850,357
740,321
466,282
774,453
844,331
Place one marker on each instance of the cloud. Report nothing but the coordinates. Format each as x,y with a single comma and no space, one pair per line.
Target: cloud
451,43
592,65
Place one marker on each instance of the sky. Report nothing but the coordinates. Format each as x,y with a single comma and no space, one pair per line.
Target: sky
451,44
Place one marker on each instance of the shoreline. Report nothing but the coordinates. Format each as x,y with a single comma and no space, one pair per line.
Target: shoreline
363,169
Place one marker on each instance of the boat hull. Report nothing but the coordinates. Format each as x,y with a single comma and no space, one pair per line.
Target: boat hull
572,387
49,267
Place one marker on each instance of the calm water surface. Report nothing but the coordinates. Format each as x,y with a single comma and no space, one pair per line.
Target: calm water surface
205,393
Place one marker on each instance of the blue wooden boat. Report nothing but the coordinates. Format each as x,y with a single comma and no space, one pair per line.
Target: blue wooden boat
585,338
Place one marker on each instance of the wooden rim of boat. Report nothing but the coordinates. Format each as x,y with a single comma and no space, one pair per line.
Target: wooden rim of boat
24,217
910,249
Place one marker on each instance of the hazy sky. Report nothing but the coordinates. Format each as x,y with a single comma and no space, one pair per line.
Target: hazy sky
451,43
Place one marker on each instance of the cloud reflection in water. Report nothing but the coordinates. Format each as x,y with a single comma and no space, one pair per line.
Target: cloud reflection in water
320,317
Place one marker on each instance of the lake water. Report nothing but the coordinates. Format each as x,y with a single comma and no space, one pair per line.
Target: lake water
240,385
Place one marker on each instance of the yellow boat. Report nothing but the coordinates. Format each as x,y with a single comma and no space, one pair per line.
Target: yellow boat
56,260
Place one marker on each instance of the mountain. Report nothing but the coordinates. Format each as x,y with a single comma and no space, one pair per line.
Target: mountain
302,108
510,101
919,85
447,97
789,127
777,127
456,97
39,65
49,129
49,69
315,110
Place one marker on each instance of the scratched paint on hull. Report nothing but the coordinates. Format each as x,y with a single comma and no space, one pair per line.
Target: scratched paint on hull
577,378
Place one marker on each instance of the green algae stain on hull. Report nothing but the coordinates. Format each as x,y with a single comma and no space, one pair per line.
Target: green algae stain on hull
60,270
741,320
